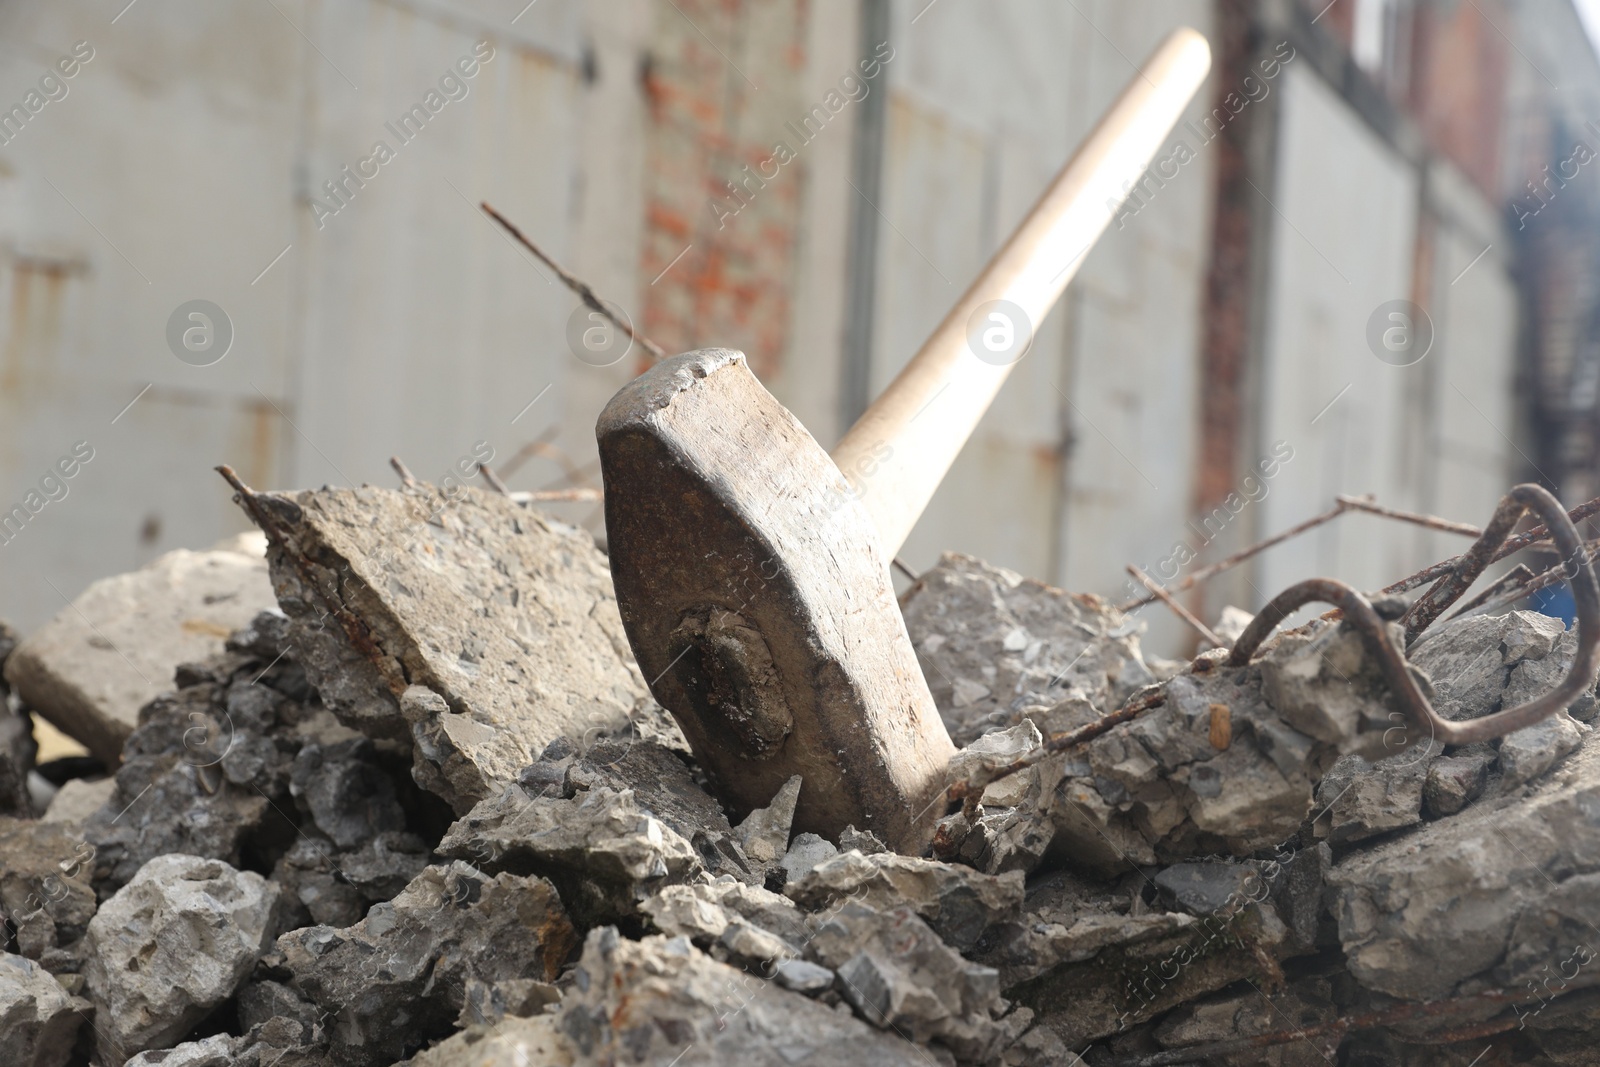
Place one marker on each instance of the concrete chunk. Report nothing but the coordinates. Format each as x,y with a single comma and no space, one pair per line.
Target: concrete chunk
400,977
171,945
91,668
650,1001
38,1019
996,647
505,616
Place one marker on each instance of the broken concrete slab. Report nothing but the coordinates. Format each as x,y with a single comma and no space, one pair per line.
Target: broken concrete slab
91,668
39,1020
649,1001
1470,662
171,945
398,978
997,647
957,902
604,851
1158,789
505,616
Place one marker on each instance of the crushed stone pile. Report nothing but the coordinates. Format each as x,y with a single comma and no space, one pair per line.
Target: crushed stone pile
423,811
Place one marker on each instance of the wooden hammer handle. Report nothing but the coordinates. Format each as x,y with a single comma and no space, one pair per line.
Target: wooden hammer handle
898,452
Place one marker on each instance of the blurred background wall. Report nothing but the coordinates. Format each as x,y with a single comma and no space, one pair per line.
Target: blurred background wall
1346,160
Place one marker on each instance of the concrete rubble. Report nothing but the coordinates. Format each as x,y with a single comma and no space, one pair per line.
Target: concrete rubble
421,812
90,669
39,1020
171,945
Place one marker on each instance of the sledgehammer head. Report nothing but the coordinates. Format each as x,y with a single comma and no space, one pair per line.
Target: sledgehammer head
758,606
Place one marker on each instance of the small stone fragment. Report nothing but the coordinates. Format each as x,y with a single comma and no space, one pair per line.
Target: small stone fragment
217,1051
764,834
803,976
804,853
703,911
511,1042
91,668
350,799
897,973
957,902
649,1001
1527,753
980,762
1357,799
171,945
1231,623
1326,686
1212,888
45,890
1455,781
38,1019
755,949
864,841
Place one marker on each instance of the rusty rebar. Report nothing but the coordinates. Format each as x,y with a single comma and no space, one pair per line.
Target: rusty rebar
1358,611
1521,500
1432,522
493,479
406,478
1497,597
576,284
1178,609
1516,577
1342,505
1510,547
1238,557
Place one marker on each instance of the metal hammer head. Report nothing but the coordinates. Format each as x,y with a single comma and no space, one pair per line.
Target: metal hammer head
758,606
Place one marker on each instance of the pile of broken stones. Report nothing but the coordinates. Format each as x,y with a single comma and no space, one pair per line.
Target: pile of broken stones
397,793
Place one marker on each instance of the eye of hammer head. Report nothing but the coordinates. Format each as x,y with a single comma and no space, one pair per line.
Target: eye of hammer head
755,597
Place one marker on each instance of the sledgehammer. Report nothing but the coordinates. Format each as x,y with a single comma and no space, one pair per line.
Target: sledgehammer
751,569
